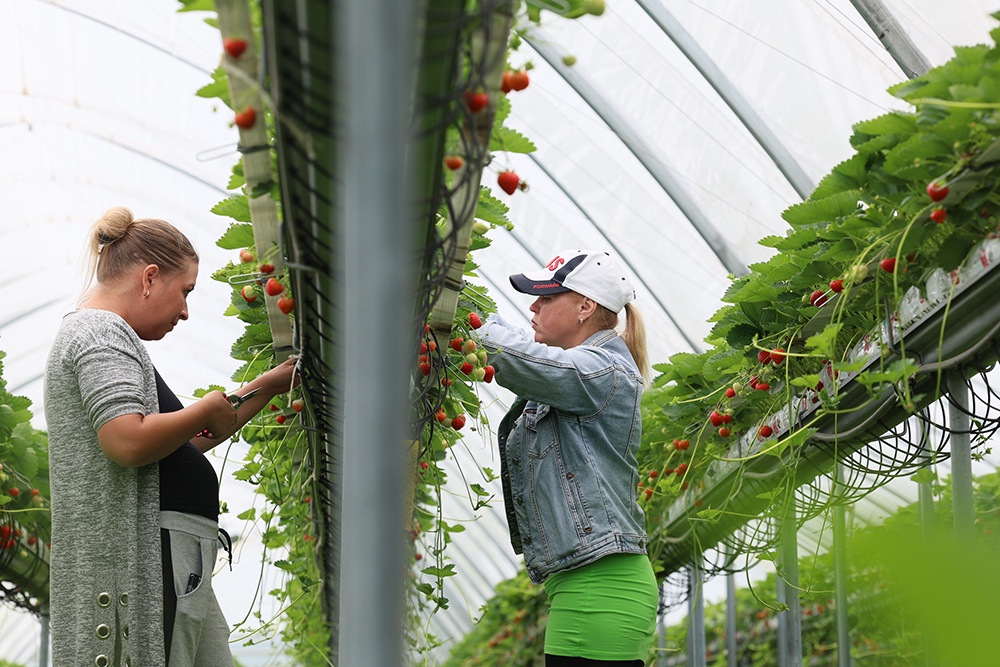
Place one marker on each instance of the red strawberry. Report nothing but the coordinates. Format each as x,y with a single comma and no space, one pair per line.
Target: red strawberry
454,162
474,321
458,422
888,264
681,469
937,190
716,418
488,376
245,119
440,415
286,304
508,181
837,285
234,46
939,215
280,419
424,465
519,80
266,268
425,368
467,368
507,82
274,407
683,444
765,431
762,386
456,344
249,293
777,355
246,256
445,382
423,347
476,101
35,492
726,418
818,298
653,474
32,541
298,404
14,492
764,357
730,392
724,432
273,287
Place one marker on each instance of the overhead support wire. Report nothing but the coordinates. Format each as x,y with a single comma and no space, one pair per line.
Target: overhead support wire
895,40
635,142
768,140
622,256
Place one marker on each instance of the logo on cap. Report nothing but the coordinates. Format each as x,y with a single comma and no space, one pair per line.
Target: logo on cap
556,262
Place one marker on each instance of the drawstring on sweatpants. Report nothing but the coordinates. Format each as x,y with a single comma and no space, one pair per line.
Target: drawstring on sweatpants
227,545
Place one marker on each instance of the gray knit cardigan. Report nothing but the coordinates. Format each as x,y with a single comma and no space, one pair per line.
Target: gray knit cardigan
106,583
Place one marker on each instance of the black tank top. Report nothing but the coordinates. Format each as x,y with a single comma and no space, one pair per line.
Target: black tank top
188,482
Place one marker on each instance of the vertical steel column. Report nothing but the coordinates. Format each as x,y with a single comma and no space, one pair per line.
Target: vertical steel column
789,582
376,62
43,642
841,576
961,457
696,618
925,499
731,620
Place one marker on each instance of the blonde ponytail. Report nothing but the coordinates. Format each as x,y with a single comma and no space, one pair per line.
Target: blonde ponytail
635,339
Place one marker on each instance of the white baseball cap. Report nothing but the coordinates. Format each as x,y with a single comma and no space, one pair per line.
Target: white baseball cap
592,273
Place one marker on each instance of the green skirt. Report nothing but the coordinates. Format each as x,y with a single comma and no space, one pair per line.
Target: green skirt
605,610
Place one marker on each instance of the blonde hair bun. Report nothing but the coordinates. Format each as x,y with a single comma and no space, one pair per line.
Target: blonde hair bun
112,225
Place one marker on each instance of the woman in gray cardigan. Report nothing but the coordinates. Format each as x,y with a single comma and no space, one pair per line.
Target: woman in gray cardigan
134,500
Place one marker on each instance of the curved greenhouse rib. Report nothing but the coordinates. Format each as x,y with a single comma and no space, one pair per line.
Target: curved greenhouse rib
775,149
624,258
889,31
634,142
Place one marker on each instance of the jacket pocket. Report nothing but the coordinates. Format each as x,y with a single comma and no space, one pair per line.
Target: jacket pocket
539,431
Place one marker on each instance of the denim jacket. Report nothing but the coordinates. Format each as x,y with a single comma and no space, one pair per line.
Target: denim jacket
568,448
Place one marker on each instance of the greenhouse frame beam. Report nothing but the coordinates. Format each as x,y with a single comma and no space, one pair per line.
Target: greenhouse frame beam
734,99
375,35
633,140
621,256
895,40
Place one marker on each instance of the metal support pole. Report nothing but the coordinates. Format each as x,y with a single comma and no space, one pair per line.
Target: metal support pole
961,458
696,616
889,31
635,141
43,642
789,581
925,499
731,656
377,258
768,140
841,576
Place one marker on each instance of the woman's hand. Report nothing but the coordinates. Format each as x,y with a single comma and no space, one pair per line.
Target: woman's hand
281,378
219,414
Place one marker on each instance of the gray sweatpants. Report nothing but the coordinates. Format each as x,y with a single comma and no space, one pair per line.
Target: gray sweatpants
201,635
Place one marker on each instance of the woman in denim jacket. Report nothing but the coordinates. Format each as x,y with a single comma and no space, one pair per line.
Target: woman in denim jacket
568,453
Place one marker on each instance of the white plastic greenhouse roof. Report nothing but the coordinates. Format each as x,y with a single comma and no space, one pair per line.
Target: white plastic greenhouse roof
637,153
